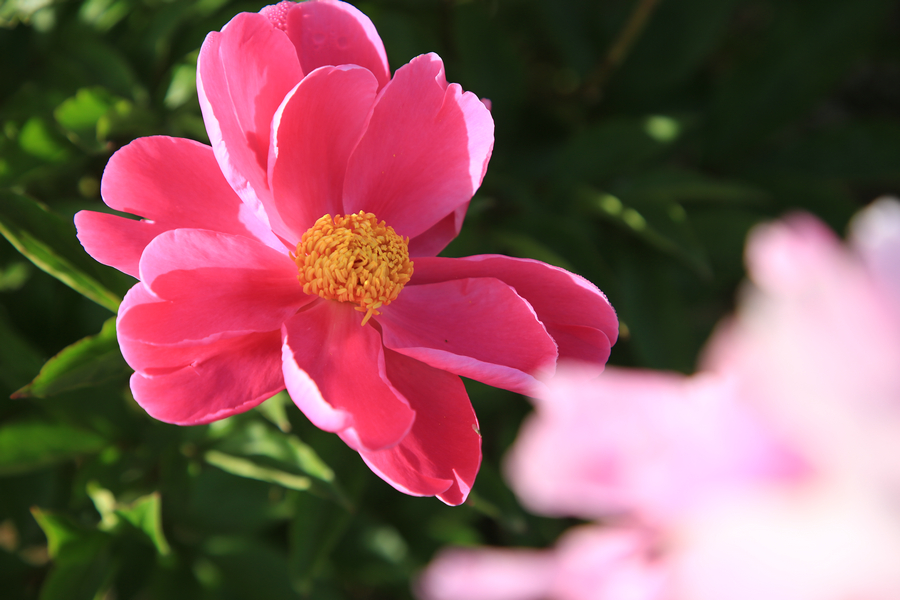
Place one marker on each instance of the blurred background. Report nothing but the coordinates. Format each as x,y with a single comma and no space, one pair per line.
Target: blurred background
637,141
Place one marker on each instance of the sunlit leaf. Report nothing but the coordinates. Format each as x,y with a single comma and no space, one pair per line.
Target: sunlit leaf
274,410
257,451
243,467
38,139
80,113
50,243
88,362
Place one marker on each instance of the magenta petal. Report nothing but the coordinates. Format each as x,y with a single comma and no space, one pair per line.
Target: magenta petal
115,241
436,238
173,183
424,153
344,362
206,284
442,452
221,379
477,328
314,132
326,33
576,314
243,74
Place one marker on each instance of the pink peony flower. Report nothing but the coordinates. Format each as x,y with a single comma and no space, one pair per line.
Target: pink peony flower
771,474
299,251
641,442
588,563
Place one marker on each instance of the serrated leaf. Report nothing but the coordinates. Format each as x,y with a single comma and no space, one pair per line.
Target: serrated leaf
49,241
29,445
88,362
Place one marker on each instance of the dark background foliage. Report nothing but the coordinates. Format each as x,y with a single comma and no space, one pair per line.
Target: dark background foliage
637,142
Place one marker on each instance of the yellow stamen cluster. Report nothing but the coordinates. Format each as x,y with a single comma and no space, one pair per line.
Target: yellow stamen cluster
354,258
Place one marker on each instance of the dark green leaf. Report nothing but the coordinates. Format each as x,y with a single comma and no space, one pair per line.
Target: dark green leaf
83,564
29,445
88,362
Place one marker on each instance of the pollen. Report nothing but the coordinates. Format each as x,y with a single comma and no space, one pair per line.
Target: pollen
354,258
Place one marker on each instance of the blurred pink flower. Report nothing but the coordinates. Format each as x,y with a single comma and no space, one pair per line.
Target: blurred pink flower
771,474
588,563
325,169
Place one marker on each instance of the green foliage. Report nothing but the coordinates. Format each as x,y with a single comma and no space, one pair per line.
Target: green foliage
89,362
638,157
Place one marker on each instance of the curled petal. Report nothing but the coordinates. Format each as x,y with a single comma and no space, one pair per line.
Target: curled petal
206,285
477,328
326,32
398,171
243,74
441,454
206,382
576,314
314,131
332,361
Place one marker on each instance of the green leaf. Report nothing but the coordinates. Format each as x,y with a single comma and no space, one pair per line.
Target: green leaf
29,445
243,467
39,140
49,241
80,113
88,362
317,527
18,358
257,451
274,411
661,225
145,514
83,561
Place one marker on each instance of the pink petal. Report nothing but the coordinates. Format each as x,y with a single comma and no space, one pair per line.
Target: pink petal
576,314
477,328
208,285
325,32
173,183
314,131
424,152
115,241
442,452
334,360
243,74
609,563
875,235
645,442
223,378
435,239
488,574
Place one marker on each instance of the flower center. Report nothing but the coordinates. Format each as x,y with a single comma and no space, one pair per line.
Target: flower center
354,258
